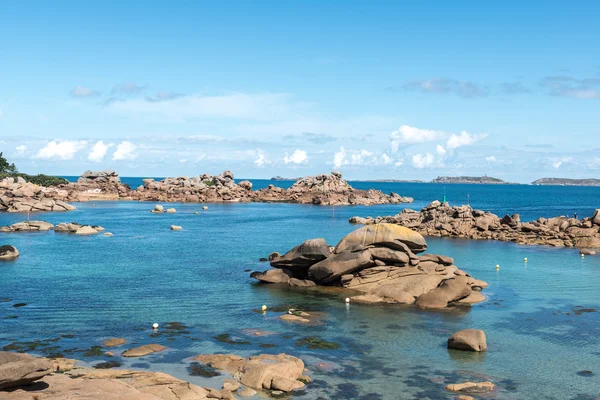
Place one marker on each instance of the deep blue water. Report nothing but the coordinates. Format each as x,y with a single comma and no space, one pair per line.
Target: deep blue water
99,287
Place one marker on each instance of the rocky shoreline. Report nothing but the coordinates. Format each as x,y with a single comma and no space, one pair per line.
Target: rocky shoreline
381,263
443,220
325,189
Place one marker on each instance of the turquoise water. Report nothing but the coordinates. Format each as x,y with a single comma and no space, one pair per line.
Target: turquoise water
90,288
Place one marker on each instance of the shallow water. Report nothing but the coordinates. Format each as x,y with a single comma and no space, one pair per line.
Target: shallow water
540,316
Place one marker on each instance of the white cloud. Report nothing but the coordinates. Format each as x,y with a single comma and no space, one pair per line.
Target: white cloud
236,105
1,113
81,91
98,152
440,150
60,149
360,157
261,159
21,150
595,163
411,135
464,139
182,161
421,161
490,159
125,151
298,157
561,161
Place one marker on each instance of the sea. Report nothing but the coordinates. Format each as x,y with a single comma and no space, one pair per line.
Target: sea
66,294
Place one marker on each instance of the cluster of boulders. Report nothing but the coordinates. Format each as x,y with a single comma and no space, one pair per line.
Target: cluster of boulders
62,379
43,226
440,219
95,185
17,195
328,189
381,261
99,177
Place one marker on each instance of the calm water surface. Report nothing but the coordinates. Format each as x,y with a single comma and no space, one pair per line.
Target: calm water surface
540,317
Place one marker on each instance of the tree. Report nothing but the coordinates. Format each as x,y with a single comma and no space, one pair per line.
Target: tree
5,167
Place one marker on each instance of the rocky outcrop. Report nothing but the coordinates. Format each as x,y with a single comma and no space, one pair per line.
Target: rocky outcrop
382,262
99,178
327,189
99,185
468,340
440,219
266,371
17,195
28,226
20,369
8,252
78,229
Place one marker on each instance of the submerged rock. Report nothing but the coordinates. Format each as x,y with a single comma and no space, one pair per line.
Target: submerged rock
143,350
471,387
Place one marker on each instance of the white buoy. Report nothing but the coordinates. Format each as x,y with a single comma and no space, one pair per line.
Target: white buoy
497,266
347,299
582,255
525,259
264,308
155,326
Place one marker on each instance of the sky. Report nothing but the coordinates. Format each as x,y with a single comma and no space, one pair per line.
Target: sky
376,90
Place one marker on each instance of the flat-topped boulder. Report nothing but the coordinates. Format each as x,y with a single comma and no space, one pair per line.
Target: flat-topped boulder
468,340
20,369
380,262
440,219
143,350
78,229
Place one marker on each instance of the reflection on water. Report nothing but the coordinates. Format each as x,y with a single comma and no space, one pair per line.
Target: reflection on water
541,317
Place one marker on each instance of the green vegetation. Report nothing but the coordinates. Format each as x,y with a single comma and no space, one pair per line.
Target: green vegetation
9,170
209,183
315,343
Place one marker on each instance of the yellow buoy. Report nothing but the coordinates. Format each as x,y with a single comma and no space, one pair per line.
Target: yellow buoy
497,266
525,259
582,255
264,308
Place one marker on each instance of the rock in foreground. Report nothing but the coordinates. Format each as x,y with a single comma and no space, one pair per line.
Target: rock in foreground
8,252
17,195
382,262
20,369
468,340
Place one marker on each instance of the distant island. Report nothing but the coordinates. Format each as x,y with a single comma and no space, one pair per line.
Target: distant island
281,178
391,180
470,179
567,182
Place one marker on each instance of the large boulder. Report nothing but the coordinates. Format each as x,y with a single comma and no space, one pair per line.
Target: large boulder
273,276
301,257
143,350
449,291
596,217
391,256
8,252
333,267
384,234
20,369
468,340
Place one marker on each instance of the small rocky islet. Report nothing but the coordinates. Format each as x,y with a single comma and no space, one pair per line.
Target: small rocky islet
382,263
441,219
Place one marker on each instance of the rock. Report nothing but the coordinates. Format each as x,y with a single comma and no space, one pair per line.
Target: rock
301,282
394,292
473,298
143,350
389,255
469,340
301,257
176,228
294,318
114,342
158,208
367,299
28,226
86,230
596,217
20,369
63,364
231,385
171,210
587,252
273,276
205,207
339,264
246,392
386,235
450,290
8,252
471,387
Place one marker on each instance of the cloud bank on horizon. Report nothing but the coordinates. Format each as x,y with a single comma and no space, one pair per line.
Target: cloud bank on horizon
313,101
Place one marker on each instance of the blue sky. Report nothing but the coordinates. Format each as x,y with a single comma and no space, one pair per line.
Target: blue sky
404,90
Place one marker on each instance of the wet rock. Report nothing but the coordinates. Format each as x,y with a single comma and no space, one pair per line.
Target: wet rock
143,350
8,252
176,228
86,230
246,392
273,276
28,226
450,290
339,264
20,369
300,258
468,340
